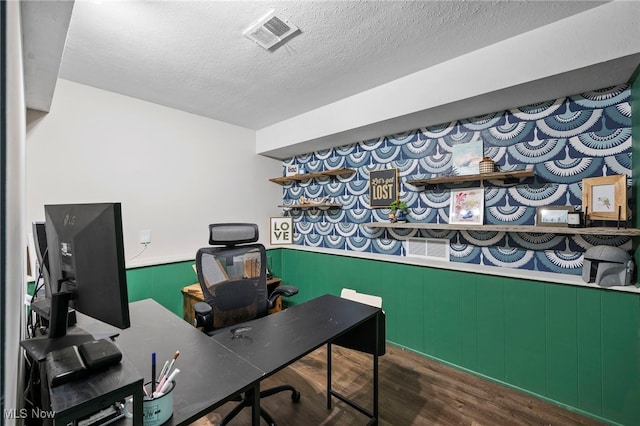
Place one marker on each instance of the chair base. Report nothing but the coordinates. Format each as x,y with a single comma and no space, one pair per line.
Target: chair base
247,402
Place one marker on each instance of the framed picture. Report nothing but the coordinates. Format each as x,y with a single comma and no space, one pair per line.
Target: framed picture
291,170
466,206
603,198
553,215
383,188
281,230
466,157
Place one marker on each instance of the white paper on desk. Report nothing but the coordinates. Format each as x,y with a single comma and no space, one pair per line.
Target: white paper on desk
367,299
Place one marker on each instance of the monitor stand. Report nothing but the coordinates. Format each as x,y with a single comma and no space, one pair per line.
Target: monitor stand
58,336
39,347
42,308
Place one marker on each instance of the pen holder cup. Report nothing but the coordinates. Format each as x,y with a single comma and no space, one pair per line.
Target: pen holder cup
155,411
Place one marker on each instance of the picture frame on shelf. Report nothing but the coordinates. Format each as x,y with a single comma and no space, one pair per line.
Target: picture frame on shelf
553,215
291,169
466,157
605,197
466,206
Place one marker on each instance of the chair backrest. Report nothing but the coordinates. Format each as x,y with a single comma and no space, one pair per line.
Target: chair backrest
233,274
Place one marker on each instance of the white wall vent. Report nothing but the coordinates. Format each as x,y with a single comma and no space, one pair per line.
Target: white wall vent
428,248
270,30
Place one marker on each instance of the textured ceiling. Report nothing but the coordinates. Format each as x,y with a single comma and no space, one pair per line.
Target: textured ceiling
192,56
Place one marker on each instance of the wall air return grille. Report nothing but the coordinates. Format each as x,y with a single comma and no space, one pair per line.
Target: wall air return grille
271,30
428,248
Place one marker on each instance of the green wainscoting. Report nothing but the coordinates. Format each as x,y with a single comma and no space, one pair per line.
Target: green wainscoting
161,283
575,346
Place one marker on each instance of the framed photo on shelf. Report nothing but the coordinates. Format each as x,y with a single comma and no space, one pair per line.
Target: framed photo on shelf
466,206
466,157
604,198
291,170
553,215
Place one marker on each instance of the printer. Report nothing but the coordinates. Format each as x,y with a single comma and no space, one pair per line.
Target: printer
607,266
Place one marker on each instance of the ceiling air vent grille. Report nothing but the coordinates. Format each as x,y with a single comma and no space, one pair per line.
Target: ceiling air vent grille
428,248
270,30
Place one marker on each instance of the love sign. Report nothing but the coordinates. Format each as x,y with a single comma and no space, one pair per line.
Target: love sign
281,230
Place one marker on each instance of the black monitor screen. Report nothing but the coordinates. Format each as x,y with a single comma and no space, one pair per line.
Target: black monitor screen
86,262
40,245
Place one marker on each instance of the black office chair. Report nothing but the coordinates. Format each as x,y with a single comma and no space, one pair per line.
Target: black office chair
233,278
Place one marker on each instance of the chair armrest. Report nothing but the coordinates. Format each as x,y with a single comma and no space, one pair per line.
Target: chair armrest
203,317
281,290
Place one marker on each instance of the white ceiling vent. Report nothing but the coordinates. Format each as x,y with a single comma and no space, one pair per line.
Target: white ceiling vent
270,30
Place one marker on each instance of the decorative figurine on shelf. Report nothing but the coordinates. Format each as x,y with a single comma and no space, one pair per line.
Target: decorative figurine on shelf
398,212
487,165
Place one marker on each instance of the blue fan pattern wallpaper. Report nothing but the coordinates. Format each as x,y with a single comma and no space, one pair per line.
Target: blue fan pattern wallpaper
564,140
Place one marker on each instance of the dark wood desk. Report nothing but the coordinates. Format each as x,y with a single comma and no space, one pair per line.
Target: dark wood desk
275,341
215,370
210,374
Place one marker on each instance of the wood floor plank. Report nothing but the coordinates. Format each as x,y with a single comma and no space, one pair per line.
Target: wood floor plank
414,390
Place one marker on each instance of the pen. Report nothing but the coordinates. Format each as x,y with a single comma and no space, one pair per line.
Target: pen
173,361
153,372
163,371
167,383
163,377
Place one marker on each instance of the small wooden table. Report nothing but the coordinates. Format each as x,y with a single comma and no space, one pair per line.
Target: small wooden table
192,294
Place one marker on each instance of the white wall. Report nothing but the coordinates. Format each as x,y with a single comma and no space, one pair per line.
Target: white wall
173,172
14,241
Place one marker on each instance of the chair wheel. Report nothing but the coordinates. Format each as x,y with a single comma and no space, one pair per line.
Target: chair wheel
295,396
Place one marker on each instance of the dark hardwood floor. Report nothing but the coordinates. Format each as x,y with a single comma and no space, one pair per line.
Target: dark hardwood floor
414,390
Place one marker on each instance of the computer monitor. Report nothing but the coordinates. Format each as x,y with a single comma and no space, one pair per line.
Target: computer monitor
86,264
40,245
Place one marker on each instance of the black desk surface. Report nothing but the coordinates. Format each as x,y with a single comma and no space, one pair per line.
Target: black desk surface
209,375
214,370
275,341
83,397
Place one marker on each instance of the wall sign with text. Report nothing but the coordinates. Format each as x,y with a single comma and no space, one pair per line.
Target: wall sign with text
383,187
281,230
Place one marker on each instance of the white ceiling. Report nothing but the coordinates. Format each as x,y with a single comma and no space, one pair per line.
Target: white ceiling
192,56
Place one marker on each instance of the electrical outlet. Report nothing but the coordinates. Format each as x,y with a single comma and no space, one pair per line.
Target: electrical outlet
145,236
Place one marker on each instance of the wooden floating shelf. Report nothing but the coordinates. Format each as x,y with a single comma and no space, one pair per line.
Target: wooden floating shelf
310,206
336,172
601,230
516,174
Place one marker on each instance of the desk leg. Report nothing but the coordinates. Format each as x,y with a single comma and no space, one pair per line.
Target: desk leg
137,406
375,370
254,394
328,376
373,416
